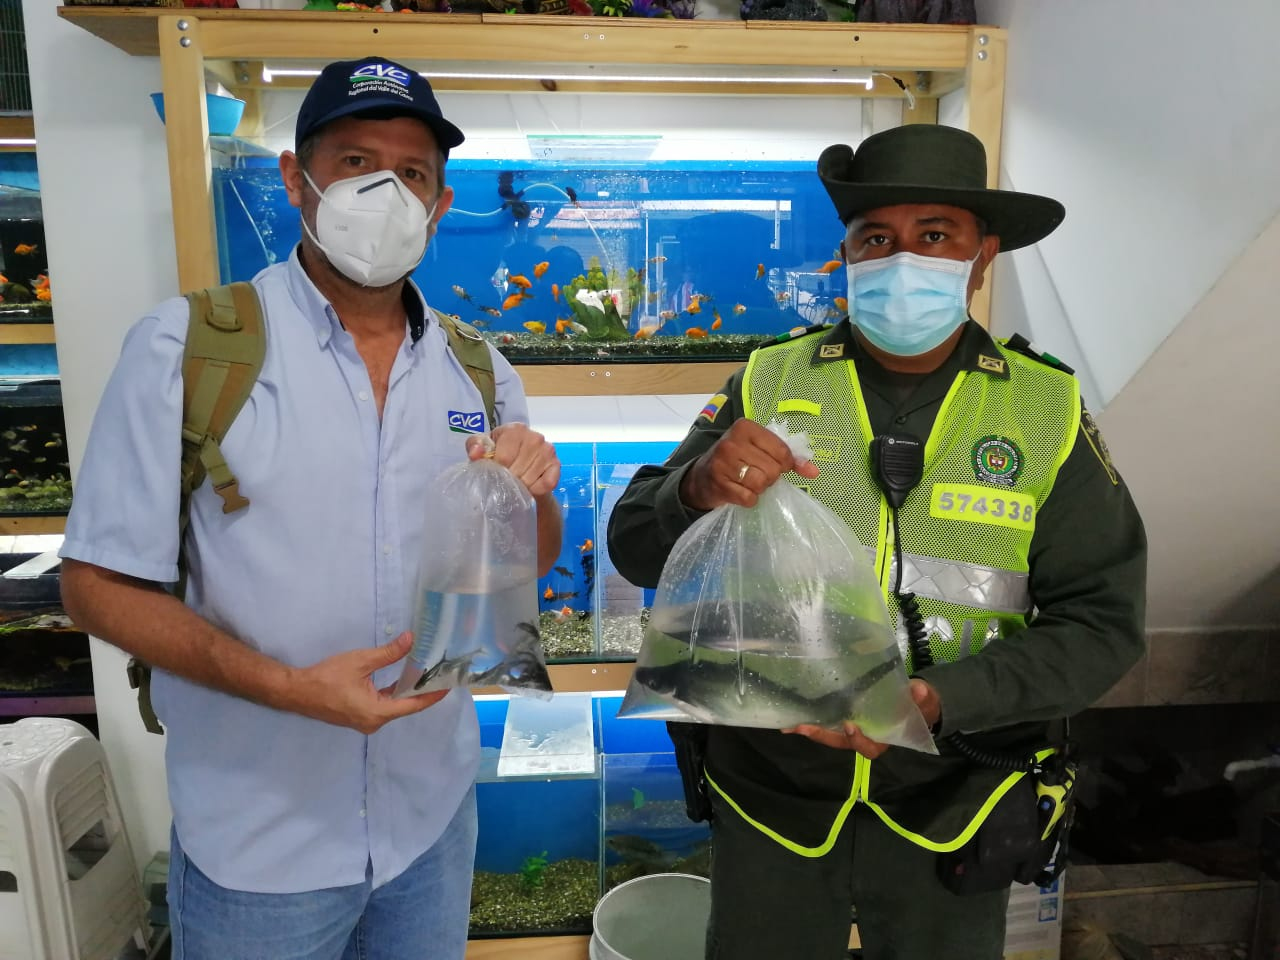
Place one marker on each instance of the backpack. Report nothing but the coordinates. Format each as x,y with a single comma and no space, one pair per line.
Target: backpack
226,343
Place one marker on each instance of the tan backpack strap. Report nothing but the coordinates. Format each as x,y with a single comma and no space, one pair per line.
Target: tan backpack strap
472,352
226,343
220,366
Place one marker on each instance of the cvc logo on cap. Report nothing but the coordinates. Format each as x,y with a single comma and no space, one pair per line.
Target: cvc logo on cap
382,71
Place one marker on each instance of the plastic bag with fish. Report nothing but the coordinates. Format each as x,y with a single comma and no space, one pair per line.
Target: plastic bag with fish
772,616
476,621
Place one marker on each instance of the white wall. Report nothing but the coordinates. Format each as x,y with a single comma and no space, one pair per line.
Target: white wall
1157,124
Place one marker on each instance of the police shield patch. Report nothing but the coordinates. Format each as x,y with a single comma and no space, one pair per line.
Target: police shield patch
1094,436
997,460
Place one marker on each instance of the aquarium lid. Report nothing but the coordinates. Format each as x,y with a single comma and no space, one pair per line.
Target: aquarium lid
585,147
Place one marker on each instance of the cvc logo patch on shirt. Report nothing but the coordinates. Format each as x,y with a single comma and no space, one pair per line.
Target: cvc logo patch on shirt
461,421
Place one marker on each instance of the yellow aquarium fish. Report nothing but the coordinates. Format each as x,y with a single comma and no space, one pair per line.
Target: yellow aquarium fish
535,326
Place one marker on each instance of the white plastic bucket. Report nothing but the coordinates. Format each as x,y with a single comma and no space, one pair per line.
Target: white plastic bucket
662,916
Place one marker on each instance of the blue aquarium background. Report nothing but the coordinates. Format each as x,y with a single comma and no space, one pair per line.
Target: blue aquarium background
550,846
701,258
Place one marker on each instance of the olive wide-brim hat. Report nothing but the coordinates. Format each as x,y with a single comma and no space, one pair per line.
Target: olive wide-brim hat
928,163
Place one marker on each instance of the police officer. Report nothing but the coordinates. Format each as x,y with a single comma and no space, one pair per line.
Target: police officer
1020,543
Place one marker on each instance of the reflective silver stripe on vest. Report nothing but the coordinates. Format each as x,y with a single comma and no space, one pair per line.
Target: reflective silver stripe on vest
965,584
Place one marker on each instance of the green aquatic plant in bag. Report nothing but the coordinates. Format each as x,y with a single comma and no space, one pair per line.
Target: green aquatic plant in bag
476,623
772,616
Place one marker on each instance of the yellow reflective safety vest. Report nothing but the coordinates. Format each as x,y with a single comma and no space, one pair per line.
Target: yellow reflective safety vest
991,459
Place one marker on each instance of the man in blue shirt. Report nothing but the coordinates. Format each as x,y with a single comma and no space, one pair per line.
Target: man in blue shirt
314,815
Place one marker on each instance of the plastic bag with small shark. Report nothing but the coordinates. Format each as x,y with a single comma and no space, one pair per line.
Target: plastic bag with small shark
770,617
477,607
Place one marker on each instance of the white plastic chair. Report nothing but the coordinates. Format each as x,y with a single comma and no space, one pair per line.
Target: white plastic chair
69,888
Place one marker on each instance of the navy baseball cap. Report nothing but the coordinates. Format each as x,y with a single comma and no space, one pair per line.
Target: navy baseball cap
377,87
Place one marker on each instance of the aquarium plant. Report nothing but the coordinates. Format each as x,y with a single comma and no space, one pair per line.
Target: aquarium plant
533,869
597,311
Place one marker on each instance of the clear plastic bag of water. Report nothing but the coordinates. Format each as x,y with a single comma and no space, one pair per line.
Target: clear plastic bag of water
772,616
476,621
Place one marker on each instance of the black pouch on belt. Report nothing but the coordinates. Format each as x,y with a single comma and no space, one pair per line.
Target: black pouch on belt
1024,837
690,740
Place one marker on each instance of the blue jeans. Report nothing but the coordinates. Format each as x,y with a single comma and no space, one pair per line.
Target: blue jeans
423,913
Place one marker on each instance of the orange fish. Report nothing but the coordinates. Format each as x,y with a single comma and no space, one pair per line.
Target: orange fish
519,280
563,614
739,309
841,304
535,326
548,593
782,296
513,301
759,270
541,268
42,293
587,546
695,332
645,332
694,306
555,291
23,249
562,324
715,324
831,266
491,311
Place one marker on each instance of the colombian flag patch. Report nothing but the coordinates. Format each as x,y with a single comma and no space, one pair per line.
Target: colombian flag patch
713,406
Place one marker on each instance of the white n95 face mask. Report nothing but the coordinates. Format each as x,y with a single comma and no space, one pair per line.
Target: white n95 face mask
908,304
371,227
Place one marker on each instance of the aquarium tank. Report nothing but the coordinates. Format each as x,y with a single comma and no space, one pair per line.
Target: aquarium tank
605,260
572,802
34,468
587,610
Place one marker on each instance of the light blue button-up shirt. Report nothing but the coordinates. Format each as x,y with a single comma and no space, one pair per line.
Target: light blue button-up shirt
324,560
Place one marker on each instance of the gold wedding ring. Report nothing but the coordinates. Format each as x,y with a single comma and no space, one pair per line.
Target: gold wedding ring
742,472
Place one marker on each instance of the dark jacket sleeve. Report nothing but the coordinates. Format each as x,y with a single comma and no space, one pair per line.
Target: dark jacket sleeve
648,518
1088,585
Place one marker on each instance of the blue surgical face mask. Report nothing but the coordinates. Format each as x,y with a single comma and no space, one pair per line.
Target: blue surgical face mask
907,304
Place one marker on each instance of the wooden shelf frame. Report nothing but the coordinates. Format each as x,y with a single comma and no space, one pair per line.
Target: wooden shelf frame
192,43
20,333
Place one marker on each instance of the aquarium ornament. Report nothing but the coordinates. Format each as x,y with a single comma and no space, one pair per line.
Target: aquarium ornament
727,74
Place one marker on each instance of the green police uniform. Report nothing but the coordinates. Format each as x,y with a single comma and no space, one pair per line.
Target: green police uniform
801,829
